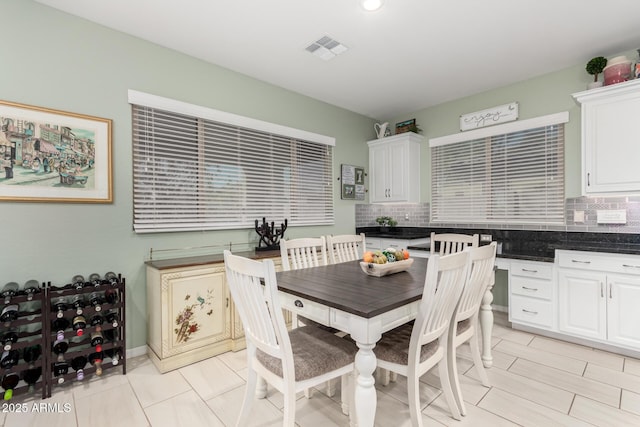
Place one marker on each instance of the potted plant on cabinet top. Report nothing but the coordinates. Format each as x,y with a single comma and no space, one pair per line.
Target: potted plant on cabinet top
594,67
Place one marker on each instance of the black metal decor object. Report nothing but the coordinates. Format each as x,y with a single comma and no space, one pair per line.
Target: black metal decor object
269,235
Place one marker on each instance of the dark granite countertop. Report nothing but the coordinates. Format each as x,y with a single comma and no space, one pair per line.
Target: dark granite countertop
529,245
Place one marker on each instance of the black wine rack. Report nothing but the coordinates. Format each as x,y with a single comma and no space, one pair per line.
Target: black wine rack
36,327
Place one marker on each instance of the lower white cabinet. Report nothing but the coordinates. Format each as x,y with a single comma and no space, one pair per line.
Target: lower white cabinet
379,243
531,294
599,297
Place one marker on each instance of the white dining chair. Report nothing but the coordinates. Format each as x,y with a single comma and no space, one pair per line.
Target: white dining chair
290,361
305,252
414,348
464,323
346,247
449,243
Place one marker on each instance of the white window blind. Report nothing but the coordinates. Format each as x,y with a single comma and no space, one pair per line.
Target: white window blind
194,173
515,177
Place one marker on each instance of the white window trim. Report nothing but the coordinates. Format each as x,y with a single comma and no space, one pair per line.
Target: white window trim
551,119
174,106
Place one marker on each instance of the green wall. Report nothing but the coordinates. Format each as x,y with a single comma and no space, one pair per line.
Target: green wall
55,60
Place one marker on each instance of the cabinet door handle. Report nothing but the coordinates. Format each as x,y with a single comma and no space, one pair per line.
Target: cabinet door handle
588,179
530,289
227,302
580,262
610,293
601,290
529,271
631,266
529,311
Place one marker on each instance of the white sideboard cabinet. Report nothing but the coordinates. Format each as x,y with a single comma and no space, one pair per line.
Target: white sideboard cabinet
190,313
394,168
610,149
599,297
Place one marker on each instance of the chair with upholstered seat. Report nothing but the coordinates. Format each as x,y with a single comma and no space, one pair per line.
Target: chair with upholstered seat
464,323
450,243
346,247
414,348
290,362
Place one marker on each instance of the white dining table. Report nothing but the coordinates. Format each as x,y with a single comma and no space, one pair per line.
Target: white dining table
342,296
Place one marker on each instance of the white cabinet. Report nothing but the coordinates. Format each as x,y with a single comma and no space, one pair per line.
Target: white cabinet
599,297
190,314
394,168
610,149
378,243
531,296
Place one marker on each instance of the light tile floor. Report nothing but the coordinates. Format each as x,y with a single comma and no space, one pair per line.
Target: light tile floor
536,381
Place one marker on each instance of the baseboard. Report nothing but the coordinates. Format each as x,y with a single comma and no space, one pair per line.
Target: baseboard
137,351
500,308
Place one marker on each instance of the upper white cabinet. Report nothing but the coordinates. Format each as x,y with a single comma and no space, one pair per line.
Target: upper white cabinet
610,148
394,168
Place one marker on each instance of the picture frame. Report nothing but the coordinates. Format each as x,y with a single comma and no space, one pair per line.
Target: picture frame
352,182
49,155
405,126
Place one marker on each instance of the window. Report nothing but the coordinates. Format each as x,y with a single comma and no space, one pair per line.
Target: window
200,169
506,174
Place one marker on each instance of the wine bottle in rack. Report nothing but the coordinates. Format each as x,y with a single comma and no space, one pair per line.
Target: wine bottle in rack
78,363
79,323
60,368
112,278
9,337
59,325
60,305
9,312
9,382
97,340
33,373
9,359
95,280
96,321
60,347
96,360
96,299
113,318
9,290
78,281
111,295
31,377
115,354
78,302
31,287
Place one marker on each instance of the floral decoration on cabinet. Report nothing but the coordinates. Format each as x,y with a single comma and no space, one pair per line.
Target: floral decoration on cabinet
185,320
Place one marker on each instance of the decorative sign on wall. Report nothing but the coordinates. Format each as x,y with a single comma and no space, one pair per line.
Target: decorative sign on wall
352,182
490,116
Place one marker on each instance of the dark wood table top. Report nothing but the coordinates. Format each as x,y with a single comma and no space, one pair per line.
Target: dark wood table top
346,287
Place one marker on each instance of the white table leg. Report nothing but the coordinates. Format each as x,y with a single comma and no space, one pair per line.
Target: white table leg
486,326
365,391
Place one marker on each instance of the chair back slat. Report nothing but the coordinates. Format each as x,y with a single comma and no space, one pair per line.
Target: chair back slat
481,275
258,305
450,243
346,247
446,276
303,253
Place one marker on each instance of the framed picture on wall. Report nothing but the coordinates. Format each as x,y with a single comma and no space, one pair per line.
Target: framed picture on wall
49,155
352,179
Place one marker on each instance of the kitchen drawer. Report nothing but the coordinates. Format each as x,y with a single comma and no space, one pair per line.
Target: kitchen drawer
540,270
304,307
614,263
531,287
373,244
531,310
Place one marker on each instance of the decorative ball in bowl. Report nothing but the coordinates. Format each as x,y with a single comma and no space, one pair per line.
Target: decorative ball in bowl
389,261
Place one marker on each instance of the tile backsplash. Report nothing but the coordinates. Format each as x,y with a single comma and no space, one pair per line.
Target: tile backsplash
417,215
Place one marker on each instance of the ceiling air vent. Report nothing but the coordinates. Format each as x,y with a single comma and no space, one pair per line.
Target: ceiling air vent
326,48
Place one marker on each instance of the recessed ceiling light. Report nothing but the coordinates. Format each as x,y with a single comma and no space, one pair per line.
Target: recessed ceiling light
371,5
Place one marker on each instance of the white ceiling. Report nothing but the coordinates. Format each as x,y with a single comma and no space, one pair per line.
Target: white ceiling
409,55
